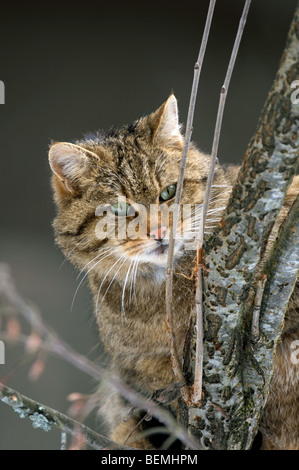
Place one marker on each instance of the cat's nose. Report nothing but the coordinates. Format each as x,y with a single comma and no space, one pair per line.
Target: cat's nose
158,233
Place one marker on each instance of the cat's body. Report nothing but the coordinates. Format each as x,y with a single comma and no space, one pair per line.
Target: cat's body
127,277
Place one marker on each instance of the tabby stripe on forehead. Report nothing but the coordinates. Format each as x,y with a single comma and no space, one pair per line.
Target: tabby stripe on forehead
196,180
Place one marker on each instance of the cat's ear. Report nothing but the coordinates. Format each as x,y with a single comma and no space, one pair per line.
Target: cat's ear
72,165
165,123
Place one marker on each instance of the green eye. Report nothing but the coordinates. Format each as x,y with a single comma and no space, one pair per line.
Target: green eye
168,192
122,209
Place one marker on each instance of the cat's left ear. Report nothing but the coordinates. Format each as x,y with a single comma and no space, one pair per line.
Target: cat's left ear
72,166
165,123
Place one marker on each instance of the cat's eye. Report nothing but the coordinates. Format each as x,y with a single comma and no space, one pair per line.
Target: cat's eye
168,193
122,209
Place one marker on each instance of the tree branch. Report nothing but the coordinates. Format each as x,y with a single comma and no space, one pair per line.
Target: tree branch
44,417
282,270
234,254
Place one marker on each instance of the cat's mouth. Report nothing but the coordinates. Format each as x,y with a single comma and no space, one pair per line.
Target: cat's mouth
158,253
161,249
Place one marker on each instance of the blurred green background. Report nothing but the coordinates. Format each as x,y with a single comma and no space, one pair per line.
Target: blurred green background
74,67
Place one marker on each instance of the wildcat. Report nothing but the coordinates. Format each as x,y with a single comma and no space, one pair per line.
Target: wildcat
140,164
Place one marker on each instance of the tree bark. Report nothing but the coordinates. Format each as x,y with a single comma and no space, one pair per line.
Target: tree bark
236,367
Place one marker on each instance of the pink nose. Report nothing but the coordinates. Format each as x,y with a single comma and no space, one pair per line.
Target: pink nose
158,233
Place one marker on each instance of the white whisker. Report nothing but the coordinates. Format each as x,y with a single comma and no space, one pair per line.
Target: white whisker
99,254
116,262
132,277
70,252
112,280
221,186
217,209
218,196
80,283
135,273
124,289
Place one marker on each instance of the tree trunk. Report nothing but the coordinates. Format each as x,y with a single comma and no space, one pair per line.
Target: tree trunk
238,363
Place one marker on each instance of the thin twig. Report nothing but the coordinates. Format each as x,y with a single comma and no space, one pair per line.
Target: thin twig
197,389
223,94
63,441
44,417
176,363
57,347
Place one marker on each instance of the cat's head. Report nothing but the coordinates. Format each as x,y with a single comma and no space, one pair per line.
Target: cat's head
115,193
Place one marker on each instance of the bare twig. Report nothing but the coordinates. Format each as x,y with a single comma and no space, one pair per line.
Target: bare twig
223,94
44,417
176,364
197,389
53,344
63,441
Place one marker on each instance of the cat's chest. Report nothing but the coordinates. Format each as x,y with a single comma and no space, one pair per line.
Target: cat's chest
136,324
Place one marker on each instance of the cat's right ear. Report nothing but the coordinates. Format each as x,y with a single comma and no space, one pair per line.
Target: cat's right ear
165,125
72,166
